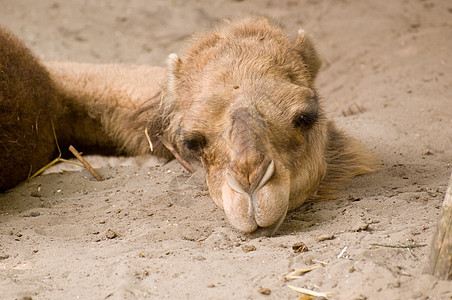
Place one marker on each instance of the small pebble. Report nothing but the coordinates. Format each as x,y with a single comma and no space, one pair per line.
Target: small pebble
248,248
199,258
110,234
362,227
325,238
264,291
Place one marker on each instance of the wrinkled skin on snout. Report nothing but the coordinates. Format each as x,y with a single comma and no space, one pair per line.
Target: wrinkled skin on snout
243,103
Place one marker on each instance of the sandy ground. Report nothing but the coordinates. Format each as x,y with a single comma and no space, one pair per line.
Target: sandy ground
152,231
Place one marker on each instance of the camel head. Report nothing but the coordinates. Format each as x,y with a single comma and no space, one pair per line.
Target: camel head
242,102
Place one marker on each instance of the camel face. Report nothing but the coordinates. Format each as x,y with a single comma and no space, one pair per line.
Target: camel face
243,103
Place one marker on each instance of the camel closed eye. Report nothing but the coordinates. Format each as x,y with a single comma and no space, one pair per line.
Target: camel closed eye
195,143
305,120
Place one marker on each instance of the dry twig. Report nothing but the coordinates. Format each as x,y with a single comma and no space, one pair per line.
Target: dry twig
85,163
179,158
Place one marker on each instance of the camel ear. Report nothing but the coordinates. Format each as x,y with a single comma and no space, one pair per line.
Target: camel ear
174,63
304,45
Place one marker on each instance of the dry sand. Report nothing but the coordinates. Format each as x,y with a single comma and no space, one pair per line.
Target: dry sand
152,231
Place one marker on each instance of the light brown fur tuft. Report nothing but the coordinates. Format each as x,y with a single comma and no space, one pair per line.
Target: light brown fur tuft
346,158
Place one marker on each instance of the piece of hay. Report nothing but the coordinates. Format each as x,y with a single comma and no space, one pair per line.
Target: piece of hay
305,297
149,139
342,252
56,160
310,292
298,273
320,262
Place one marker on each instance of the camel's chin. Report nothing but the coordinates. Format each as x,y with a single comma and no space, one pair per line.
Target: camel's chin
260,214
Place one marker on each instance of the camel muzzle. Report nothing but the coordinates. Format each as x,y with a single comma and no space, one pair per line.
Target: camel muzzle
254,206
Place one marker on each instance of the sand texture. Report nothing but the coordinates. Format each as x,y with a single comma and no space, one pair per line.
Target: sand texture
151,230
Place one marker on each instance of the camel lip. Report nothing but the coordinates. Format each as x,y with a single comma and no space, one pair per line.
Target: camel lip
269,230
254,229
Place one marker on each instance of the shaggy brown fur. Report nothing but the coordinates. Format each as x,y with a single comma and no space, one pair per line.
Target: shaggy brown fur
242,102
28,103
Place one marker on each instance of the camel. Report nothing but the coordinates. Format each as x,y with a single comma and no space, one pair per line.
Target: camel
241,103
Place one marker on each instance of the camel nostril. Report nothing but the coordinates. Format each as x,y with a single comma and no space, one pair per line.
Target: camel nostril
248,181
267,175
234,184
